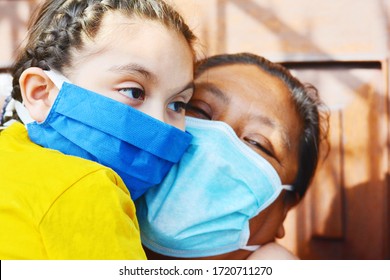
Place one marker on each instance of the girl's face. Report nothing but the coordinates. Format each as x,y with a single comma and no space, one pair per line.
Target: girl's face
138,62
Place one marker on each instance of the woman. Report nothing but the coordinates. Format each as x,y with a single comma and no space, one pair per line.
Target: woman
213,204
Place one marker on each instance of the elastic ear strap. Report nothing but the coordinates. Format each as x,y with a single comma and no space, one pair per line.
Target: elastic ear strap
57,78
288,187
23,113
251,248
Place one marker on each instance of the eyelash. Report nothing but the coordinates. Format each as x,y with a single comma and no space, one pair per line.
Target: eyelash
199,111
141,96
179,106
259,146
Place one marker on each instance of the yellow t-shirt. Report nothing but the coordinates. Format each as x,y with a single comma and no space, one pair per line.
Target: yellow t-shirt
54,206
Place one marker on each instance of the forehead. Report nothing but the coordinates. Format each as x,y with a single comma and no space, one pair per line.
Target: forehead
249,84
249,81
150,43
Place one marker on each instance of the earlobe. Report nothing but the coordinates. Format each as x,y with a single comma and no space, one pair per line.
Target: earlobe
280,232
290,200
38,92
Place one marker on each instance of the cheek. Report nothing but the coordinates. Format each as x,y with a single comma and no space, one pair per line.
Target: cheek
289,171
180,124
264,227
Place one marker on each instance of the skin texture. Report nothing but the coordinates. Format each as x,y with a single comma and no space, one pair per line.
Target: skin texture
126,65
258,107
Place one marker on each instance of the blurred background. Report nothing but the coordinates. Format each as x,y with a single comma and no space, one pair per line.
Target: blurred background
343,48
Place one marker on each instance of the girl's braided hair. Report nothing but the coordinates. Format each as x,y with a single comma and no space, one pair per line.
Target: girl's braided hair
61,26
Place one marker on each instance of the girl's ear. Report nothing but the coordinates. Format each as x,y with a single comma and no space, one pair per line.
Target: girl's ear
38,92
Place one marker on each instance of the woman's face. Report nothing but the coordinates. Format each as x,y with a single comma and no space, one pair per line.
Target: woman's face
259,109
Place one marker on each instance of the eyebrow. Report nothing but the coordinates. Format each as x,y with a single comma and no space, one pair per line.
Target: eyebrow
272,124
213,89
134,68
188,86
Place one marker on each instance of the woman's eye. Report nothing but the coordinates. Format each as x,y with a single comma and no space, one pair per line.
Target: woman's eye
259,147
177,106
133,93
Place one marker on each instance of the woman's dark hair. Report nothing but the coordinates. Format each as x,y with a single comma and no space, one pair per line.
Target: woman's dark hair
312,111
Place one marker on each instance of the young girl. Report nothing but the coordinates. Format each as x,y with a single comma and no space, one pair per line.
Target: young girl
85,67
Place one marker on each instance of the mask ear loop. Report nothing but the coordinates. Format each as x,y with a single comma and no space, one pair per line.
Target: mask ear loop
57,78
23,113
251,248
288,187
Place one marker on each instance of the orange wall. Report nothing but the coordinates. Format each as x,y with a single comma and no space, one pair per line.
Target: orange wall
281,30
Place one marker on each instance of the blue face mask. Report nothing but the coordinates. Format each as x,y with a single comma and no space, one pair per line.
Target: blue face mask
203,206
82,123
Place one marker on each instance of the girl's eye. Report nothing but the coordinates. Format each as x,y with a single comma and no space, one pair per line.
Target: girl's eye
177,106
259,147
133,93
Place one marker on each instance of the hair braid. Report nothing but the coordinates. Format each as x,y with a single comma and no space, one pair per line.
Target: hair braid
51,39
61,26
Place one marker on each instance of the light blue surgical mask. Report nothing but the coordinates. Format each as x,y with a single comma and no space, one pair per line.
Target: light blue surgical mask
83,123
203,206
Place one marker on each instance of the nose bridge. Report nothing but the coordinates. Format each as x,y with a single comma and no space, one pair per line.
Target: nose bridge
233,120
155,108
